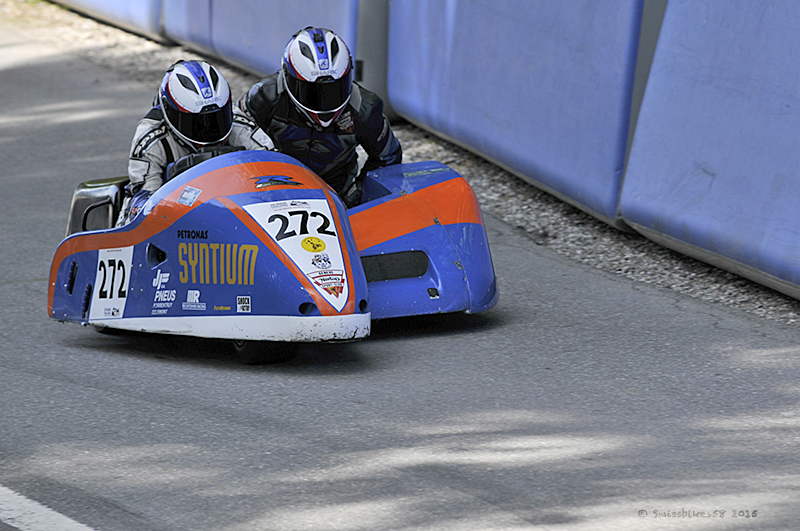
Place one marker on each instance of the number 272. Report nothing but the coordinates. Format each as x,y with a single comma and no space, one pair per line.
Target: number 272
107,292
322,228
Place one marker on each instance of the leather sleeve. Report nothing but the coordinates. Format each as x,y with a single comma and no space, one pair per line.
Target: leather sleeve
261,100
375,134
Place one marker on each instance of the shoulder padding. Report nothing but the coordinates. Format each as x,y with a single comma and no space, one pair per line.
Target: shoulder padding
365,101
154,114
355,96
263,96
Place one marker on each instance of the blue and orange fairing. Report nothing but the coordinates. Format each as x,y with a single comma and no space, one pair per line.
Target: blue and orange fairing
253,245
202,259
417,213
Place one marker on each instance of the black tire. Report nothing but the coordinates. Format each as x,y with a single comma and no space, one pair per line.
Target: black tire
263,352
108,331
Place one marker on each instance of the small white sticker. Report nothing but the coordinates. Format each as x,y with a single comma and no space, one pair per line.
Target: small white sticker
193,301
188,196
243,304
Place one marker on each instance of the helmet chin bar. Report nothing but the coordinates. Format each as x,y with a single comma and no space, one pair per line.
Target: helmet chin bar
194,145
315,115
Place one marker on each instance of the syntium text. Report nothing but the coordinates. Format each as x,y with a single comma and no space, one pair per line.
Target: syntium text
217,263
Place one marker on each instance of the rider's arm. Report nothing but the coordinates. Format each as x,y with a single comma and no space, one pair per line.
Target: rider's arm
150,153
245,133
374,132
260,101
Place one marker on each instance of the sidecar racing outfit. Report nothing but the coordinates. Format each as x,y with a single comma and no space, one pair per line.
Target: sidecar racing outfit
192,112
314,112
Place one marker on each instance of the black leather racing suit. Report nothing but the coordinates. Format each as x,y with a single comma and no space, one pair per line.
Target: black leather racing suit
330,151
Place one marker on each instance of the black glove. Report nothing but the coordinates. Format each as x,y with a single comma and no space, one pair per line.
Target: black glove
352,196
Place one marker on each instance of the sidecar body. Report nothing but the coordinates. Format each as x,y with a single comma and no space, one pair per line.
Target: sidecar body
253,246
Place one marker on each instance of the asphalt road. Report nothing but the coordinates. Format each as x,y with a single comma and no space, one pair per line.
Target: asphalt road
582,401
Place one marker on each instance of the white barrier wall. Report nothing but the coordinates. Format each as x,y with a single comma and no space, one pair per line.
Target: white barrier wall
542,88
139,16
713,169
253,33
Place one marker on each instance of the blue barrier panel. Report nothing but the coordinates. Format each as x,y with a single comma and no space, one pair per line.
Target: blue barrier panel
141,16
189,22
714,162
542,88
253,33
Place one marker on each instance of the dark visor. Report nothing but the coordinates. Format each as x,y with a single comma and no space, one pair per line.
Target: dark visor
321,96
205,127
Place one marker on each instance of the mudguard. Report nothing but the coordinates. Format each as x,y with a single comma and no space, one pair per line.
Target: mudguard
252,245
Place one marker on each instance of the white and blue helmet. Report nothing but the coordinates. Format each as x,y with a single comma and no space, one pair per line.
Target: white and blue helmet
196,103
318,73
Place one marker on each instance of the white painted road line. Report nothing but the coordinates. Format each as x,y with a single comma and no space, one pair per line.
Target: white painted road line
27,515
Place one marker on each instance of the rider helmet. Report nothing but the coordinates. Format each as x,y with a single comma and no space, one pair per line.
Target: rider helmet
318,72
196,103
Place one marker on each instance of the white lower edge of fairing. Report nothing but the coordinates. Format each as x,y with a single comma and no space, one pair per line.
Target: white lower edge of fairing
250,327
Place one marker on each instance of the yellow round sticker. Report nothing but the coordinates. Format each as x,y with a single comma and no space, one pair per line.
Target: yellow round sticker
313,245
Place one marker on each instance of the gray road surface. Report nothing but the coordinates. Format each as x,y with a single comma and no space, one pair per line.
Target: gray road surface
582,401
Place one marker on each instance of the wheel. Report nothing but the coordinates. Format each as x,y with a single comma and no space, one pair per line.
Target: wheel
263,352
108,331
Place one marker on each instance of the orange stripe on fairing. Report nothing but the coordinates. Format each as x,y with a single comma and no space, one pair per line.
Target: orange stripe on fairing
230,180
450,202
350,306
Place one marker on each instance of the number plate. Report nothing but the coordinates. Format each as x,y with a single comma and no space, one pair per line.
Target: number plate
307,233
110,291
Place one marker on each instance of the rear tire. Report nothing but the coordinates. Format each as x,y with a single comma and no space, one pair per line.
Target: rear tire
263,352
108,331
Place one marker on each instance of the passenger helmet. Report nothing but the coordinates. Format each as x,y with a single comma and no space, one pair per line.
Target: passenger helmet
196,103
318,72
